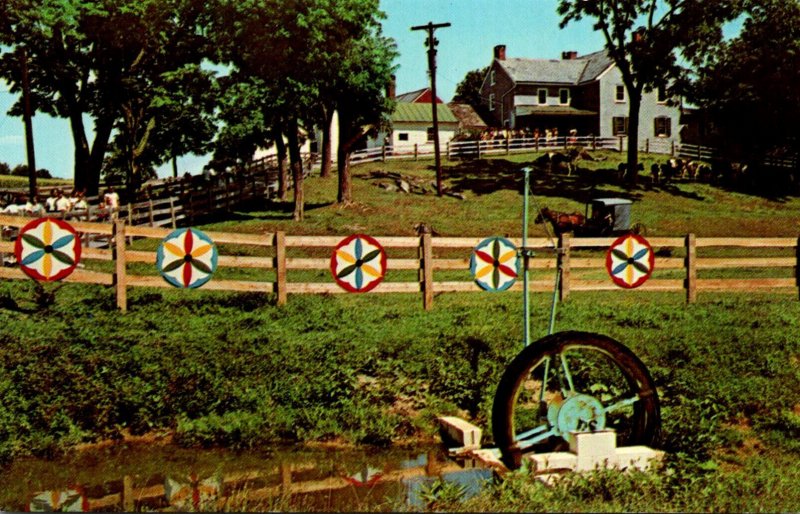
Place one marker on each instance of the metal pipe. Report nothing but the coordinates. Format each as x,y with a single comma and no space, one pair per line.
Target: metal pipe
526,308
552,326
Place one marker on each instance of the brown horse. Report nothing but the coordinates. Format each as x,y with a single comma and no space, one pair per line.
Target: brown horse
561,221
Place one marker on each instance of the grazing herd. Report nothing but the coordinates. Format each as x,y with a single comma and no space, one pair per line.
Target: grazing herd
671,170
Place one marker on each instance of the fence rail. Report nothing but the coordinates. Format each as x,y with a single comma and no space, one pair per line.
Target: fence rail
441,263
502,146
481,148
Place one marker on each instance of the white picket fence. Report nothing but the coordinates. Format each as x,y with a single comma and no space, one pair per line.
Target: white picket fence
481,148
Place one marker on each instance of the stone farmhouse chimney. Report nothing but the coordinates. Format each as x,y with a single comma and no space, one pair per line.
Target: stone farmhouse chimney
569,55
500,52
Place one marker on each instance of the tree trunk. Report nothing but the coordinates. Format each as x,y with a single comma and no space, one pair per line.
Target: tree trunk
326,165
633,135
296,163
89,163
283,175
345,194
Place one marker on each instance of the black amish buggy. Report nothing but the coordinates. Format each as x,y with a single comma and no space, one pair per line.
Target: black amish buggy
609,217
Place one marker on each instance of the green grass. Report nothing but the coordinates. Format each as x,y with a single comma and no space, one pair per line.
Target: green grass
493,202
237,370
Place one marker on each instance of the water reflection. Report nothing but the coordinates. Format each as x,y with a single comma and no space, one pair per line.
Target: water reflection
134,478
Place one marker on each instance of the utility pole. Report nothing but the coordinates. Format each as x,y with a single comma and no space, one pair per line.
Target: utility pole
432,42
26,115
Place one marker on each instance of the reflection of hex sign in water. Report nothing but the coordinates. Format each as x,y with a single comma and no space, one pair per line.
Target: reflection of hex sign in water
358,263
495,264
47,249
70,500
630,261
186,258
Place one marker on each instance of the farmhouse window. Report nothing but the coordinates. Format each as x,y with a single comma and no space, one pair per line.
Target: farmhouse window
491,101
402,136
619,125
491,77
663,126
662,95
430,134
542,94
563,96
620,94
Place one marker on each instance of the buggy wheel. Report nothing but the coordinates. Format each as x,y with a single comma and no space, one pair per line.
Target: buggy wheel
639,229
572,381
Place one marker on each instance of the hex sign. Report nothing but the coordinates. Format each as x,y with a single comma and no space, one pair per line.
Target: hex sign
630,261
47,249
358,263
495,264
187,258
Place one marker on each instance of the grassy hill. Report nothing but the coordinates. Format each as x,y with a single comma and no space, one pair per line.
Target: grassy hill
492,201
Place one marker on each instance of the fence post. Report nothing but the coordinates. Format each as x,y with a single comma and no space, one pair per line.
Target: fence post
280,266
672,149
797,265
478,147
447,150
426,258
172,211
120,279
594,142
691,268
150,214
508,145
620,144
647,145
127,494
563,264
416,151
383,152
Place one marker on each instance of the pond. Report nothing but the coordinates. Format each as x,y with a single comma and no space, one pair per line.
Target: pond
137,477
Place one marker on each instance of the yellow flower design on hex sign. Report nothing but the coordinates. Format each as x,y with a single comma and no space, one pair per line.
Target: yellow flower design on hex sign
495,264
187,258
358,263
47,249
630,261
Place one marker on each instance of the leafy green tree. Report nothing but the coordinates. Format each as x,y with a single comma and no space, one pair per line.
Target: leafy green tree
468,91
5,169
365,70
751,87
297,48
98,58
647,38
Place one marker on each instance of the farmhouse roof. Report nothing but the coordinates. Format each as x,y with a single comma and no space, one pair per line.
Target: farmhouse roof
417,113
558,71
468,118
420,95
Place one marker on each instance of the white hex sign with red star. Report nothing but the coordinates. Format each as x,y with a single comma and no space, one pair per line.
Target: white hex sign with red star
630,261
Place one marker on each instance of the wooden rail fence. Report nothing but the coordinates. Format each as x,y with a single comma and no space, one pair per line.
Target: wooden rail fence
424,259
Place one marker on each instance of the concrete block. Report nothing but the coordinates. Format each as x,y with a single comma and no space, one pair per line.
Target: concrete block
594,449
460,432
642,458
547,462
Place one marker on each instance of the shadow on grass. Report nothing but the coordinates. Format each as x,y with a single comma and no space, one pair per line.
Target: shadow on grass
263,210
481,177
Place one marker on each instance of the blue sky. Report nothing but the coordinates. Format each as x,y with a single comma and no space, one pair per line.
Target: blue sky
528,28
